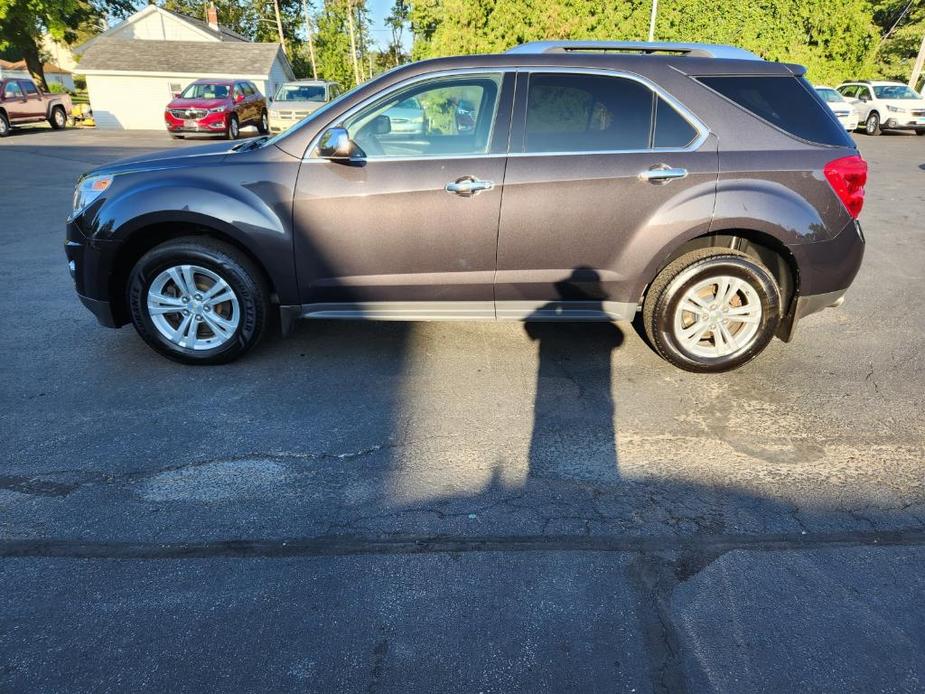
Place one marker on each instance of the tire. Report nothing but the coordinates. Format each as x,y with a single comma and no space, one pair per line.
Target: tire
185,314
920,131
233,131
872,124
174,136
665,320
58,118
263,125
4,126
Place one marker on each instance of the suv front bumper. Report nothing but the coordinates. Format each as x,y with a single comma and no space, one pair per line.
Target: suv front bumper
90,263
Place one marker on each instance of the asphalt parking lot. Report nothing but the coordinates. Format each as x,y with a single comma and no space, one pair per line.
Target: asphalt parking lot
458,506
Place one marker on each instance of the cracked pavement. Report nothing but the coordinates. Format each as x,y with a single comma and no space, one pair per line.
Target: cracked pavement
458,506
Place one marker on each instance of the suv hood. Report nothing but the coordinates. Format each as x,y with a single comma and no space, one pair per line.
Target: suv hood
198,103
171,158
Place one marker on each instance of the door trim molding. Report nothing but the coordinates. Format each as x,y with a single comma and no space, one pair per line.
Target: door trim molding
564,311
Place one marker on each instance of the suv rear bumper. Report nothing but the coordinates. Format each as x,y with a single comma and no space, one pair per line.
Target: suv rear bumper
826,270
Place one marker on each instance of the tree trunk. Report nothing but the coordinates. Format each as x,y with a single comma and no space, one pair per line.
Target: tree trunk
311,41
919,64
34,61
279,26
353,42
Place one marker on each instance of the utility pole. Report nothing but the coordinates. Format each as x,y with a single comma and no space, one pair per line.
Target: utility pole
311,41
919,64
353,41
652,16
279,26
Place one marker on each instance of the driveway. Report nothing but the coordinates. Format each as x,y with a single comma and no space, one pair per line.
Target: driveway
458,507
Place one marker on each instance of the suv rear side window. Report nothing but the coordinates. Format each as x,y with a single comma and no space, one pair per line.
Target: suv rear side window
596,113
787,102
587,113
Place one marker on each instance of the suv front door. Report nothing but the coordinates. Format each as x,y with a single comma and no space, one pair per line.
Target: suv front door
597,159
411,229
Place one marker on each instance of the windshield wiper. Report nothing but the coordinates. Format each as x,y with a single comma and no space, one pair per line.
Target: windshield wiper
250,144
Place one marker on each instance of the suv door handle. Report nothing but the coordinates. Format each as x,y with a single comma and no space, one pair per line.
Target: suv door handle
662,173
468,186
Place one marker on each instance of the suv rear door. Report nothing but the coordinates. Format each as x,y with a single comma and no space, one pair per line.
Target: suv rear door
403,227
597,157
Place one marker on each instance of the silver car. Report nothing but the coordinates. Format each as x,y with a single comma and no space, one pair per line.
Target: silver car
294,101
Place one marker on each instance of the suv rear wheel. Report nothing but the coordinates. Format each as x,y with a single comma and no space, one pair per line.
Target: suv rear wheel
198,301
712,310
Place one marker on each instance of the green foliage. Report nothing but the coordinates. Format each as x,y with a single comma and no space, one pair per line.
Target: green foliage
23,22
332,42
902,24
833,39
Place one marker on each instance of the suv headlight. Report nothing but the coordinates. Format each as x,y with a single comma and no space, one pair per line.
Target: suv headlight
895,109
89,189
217,109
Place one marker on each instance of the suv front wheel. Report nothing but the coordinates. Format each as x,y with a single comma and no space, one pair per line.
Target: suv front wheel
712,310
198,301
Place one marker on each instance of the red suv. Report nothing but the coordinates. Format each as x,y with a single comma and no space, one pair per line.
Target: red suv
221,107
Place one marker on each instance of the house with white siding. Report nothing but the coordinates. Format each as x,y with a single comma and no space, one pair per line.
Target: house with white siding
136,67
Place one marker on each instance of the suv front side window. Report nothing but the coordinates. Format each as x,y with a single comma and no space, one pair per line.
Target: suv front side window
28,88
597,113
441,117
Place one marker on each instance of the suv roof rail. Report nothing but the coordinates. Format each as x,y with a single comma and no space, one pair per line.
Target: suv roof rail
696,50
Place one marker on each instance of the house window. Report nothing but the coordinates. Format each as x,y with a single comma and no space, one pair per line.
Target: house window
175,88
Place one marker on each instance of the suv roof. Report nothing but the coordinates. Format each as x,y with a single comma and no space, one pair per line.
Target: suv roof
694,50
309,81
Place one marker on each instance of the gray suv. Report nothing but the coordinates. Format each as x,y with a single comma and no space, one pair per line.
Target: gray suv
708,194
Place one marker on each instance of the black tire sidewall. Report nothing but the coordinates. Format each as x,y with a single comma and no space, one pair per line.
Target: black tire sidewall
872,117
234,128
743,268
54,113
5,131
250,301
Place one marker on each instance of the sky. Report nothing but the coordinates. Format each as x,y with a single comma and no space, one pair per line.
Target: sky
378,11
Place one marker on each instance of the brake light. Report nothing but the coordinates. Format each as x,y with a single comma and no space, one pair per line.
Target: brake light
847,177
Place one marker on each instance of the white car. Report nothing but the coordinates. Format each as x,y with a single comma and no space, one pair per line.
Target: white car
294,101
886,105
843,110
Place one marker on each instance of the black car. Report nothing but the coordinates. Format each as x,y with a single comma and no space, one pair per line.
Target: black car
709,190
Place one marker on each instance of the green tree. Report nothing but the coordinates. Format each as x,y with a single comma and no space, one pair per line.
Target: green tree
902,26
24,22
397,21
832,39
332,42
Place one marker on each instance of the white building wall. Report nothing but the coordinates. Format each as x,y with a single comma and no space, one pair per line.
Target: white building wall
160,26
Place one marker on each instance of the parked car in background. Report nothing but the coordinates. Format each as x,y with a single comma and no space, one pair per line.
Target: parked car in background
22,102
407,117
840,106
886,106
699,187
217,107
295,100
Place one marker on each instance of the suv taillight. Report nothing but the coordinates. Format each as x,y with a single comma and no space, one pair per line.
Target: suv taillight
847,177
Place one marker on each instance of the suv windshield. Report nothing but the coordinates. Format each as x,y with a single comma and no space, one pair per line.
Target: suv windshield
895,91
830,95
300,92
205,91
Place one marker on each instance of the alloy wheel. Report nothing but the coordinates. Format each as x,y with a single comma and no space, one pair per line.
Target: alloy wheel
193,307
718,316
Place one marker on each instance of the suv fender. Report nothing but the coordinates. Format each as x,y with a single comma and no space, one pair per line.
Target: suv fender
186,206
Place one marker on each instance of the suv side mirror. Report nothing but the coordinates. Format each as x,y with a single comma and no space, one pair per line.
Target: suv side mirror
238,98
864,97
335,144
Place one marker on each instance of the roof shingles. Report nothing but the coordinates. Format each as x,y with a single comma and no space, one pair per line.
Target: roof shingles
190,57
